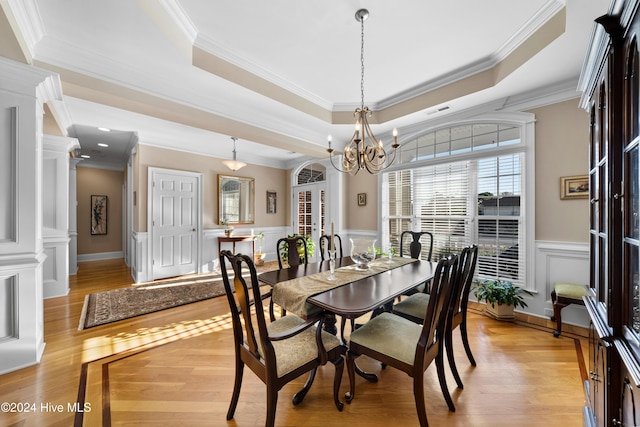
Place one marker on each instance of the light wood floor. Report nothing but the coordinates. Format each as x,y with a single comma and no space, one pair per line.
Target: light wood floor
175,368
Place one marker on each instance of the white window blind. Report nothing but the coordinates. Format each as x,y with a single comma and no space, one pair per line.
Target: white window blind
475,201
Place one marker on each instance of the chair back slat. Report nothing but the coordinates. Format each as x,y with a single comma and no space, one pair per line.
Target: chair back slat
464,277
415,245
293,256
247,328
435,318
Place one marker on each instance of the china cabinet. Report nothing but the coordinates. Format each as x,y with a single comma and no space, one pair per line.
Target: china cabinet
611,84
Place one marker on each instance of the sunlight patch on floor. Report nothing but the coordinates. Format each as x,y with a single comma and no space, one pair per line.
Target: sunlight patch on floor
99,347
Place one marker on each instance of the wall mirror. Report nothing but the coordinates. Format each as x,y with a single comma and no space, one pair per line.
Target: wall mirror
236,200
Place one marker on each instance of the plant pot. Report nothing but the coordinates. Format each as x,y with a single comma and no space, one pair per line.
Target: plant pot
500,312
228,232
258,259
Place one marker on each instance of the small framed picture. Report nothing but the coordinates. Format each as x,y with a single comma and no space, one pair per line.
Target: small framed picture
362,199
99,214
574,187
271,202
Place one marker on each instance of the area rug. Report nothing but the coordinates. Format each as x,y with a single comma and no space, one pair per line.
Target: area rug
101,308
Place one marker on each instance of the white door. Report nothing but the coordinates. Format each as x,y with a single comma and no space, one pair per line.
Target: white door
175,222
309,218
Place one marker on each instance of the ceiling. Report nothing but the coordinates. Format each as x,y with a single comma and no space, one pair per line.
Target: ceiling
282,75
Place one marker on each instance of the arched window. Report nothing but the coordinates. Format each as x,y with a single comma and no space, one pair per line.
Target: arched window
465,184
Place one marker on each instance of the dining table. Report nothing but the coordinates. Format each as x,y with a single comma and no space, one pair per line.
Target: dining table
309,290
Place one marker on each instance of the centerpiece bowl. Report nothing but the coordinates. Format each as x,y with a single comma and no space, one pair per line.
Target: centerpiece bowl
363,251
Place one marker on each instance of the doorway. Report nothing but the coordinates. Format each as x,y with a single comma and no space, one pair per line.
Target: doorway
309,204
175,222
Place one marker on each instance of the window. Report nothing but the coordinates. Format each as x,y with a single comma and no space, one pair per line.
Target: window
475,200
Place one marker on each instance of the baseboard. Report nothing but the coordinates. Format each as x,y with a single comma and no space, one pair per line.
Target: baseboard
538,322
100,256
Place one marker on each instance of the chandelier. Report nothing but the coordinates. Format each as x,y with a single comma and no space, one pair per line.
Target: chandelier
234,164
364,151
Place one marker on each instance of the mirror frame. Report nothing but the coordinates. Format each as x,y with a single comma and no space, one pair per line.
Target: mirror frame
251,209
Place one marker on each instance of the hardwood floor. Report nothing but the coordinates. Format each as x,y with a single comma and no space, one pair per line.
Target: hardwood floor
175,367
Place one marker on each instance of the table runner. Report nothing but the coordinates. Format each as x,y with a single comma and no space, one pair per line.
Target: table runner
292,294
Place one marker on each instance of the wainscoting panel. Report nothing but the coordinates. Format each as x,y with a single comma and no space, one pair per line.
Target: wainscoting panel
561,262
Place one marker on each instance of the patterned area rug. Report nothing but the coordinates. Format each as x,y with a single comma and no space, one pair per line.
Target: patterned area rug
106,307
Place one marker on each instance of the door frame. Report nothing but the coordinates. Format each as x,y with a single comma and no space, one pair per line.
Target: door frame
315,189
151,174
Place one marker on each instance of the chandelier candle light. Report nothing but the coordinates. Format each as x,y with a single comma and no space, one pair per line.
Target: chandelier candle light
364,151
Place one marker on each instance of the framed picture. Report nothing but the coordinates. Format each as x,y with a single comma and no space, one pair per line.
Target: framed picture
271,202
362,199
574,187
99,214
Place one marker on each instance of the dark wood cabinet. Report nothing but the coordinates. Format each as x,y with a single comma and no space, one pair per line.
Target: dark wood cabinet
611,94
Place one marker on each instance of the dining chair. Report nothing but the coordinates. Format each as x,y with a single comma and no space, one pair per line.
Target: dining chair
407,346
414,307
415,250
325,243
293,259
415,245
293,256
280,351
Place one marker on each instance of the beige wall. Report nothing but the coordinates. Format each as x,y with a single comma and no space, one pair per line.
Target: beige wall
91,181
266,178
562,149
361,217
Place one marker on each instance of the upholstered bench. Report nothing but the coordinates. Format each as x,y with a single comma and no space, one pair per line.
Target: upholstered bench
562,295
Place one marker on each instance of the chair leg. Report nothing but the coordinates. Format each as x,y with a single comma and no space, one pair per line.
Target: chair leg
236,389
272,401
452,361
443,380
418,394
557,310
299,396
343,323
337,379
465,340
351,370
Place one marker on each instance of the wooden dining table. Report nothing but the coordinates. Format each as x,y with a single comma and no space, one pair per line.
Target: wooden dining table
353,297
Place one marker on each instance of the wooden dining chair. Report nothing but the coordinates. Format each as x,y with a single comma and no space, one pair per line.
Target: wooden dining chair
294,258
407,346
414,307
415,245
415,250
325,244
280,351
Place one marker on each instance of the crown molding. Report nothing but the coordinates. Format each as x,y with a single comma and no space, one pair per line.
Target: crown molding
27,17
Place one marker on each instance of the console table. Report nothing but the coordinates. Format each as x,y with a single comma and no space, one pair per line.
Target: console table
235,239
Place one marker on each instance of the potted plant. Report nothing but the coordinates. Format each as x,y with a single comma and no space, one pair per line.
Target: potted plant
501,297
258,257
228,228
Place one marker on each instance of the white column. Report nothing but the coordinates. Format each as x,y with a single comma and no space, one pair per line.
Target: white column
23,91
55,218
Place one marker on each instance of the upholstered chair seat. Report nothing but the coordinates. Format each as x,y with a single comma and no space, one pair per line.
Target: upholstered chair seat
414,306
299,349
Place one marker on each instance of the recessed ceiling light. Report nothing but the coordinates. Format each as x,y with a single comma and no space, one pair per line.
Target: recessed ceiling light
85,156
104,129
102,144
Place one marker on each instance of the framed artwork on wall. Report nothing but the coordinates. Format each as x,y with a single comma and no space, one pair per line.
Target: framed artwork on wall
362,199
574,187
99,214
271,202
